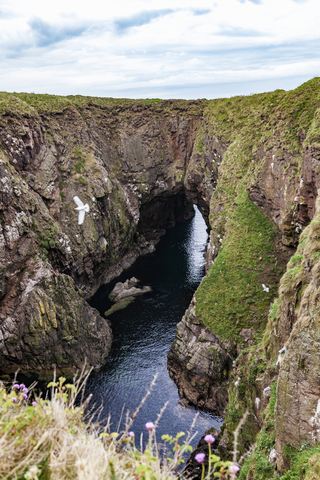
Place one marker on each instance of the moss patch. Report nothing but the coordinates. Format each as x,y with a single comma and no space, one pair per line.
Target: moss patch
305,463
257,465
231,297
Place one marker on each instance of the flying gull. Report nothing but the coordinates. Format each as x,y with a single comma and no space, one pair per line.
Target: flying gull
266,289
82,209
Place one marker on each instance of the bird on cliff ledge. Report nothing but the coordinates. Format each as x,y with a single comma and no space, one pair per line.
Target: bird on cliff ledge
81,208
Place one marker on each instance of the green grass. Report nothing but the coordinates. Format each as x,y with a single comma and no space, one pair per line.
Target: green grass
258,462
231,296
299,457
31,104
11,105
271,118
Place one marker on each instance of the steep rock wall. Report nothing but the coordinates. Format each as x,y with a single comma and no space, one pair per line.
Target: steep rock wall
251,164
266,149
296,325
134,163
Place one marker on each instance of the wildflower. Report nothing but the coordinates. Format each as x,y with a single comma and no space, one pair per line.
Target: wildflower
34,404
25,390
209,439
16,386
14,399
131,434
81,464
234,468
32,473
199,457
25,396
149,426
22,386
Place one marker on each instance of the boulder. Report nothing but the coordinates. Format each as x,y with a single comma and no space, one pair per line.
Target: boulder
127,289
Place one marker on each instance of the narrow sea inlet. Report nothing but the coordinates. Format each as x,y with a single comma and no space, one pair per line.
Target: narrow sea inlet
144,331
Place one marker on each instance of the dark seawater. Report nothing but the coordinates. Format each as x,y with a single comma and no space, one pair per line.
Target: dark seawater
144,331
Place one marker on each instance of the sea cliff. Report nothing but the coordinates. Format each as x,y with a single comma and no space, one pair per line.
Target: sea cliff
252,166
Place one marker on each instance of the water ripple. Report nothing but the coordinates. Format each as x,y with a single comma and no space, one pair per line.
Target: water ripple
145,330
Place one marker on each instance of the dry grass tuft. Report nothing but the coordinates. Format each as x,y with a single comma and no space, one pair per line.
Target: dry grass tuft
48,439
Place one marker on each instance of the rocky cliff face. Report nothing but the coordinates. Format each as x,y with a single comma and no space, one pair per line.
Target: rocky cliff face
267,153
296,326
200,363
251,164
134,163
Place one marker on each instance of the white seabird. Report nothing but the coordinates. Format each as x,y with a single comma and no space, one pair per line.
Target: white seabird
266,289
82,209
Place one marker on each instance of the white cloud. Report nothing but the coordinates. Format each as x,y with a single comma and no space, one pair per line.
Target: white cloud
152,48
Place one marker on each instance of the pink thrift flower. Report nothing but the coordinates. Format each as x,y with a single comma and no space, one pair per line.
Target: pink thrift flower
149,426
234,468
22,386
25,396
209,439
25,390
34,404
199,457
131,434
16,385
14,399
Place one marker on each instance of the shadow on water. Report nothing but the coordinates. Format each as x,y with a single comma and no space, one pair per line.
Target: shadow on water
144,331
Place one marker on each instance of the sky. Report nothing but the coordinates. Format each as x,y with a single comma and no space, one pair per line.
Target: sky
158,49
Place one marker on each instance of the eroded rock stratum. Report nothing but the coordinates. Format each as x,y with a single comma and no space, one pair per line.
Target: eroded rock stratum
252,166
134,163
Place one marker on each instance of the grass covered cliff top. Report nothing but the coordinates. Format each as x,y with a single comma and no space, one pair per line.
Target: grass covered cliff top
258,115
32,104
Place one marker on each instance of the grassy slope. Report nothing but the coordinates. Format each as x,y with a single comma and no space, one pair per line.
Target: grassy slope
29,103
48,439
231,297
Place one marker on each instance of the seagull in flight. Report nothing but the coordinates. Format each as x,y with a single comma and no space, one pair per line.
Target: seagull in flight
82,209
266,289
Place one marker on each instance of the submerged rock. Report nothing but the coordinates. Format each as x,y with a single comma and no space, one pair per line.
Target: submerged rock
119,306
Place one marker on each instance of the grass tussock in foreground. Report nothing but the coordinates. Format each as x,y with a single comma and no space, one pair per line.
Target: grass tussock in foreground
44,439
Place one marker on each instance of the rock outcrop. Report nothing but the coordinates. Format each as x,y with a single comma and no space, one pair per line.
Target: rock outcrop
265,195
127,289
125,293
133,163
297,326
200,363
252,166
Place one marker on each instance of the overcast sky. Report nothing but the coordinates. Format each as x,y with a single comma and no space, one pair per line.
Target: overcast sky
153,48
